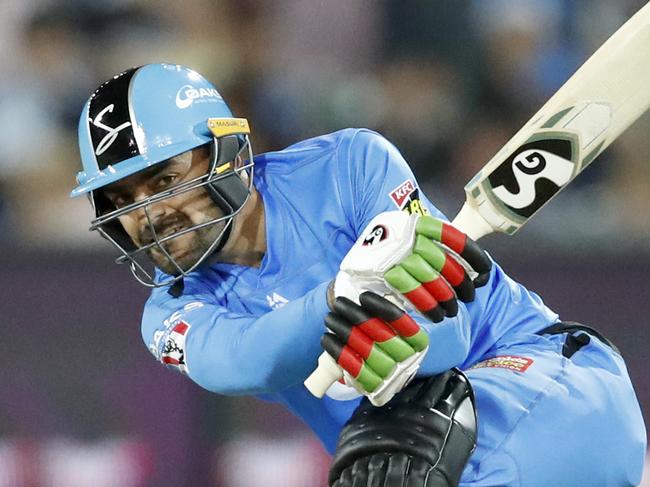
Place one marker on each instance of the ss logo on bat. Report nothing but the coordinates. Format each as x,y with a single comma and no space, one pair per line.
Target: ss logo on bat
533,163
531,177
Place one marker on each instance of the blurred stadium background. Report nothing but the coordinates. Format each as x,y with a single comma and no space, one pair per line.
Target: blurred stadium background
82,403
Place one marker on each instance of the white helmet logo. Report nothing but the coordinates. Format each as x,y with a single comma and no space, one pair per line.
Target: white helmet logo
187,95
112,132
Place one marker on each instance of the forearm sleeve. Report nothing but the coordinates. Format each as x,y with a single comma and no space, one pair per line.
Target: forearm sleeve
237,354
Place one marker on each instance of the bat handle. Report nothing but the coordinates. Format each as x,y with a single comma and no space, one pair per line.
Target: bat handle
471,222
324,376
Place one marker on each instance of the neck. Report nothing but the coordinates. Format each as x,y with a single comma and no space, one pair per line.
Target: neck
247,243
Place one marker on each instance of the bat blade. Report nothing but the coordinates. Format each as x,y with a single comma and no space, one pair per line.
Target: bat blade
603,98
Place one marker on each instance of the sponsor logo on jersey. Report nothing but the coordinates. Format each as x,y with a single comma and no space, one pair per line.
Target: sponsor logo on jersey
407,198
510,362
276,301
173,349
376,235
160,336
187,95
193,305
400,194
154,347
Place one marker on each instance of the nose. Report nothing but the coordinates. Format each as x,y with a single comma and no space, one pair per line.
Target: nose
154,211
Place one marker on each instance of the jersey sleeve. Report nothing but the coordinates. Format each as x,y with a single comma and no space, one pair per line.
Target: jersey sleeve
379,180
231,353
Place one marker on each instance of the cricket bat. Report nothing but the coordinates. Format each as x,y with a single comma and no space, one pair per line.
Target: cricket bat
608,93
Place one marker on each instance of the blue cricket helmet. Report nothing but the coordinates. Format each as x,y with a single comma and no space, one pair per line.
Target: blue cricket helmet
141,117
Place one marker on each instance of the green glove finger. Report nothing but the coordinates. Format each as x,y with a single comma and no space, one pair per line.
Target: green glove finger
397,318
460,243
429,227
412,289
430,252
361,343
351,362
382,334
447,265
436,285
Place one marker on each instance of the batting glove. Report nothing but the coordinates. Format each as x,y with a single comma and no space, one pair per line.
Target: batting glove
378,346
429,264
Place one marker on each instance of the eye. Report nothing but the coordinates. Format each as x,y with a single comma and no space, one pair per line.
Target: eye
166,180
120,201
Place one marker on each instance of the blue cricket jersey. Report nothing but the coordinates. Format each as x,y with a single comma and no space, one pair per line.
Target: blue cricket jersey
240,330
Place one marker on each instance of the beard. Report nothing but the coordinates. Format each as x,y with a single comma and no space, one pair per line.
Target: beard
179,254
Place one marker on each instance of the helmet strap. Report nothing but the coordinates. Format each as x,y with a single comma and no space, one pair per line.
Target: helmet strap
229,193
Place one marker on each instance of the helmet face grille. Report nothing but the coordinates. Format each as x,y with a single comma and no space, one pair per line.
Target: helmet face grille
109,120
213,230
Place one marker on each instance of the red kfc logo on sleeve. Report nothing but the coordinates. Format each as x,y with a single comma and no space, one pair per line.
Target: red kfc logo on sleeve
400,194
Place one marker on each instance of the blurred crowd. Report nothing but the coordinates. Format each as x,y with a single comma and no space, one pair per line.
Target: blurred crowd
447,82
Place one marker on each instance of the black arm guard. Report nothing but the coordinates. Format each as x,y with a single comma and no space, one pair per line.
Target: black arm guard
422,438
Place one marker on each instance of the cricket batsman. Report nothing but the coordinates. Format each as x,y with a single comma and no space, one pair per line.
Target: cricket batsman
451,373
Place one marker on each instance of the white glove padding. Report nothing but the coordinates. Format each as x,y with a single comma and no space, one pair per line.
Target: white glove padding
402,374
385,241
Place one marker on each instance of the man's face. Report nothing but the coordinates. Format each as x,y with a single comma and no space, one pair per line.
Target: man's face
172,214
